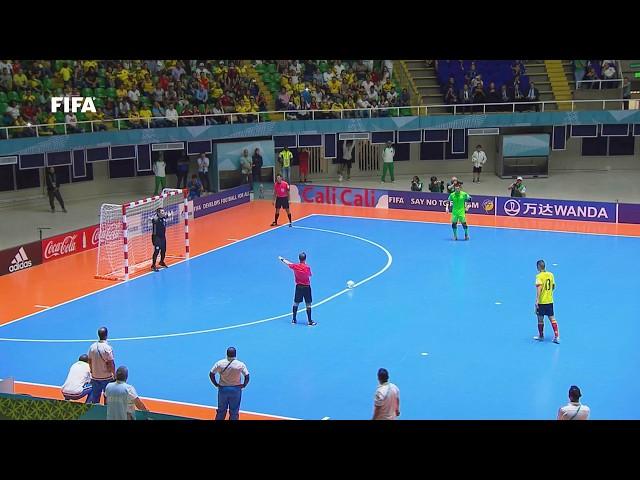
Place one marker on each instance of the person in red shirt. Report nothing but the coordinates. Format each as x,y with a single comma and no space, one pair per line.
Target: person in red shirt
303,158
281,198
302,275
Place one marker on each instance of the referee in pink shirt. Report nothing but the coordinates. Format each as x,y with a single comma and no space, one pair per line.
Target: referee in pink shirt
302,274
281,194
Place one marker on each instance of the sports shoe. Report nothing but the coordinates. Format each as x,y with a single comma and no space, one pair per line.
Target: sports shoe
154,268
290,224
64,210
556,340
294,321
274,224
311,323
466,237
162,264
539,338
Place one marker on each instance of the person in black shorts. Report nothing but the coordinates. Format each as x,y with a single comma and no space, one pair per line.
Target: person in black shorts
302,276
281,194
158,238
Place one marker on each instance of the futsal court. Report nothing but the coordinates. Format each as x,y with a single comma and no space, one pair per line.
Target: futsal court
453,322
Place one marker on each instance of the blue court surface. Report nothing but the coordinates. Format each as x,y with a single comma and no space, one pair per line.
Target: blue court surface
452,322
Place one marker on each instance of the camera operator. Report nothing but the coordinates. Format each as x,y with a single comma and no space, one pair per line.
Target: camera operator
517,188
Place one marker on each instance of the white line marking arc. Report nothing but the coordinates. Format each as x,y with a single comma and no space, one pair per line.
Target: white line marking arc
231,327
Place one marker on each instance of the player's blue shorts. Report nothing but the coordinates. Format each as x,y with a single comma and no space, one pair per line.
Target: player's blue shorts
545,309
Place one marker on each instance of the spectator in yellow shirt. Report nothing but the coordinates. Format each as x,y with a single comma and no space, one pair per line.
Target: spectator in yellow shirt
216,91
334,85
20,80
88,64
121,92
65,73
387,86
145,114
28,96
147,86
134,117
97,118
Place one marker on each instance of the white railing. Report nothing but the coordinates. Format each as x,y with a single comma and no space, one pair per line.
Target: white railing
599,84
294,115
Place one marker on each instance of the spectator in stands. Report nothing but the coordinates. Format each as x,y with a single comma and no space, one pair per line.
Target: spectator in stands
245,166
12,112
91,78
479,97
579,71
19,80
98,120
134,117
574,410
171,114
589,79
123,108
405,99
416,184
78,382
533,95
158,113
505,97
6,79
102,365
626,92
450,98
29,111
517,188
122,398
477,82
72,123
436,186
473,71
465,98
203,171
609,73
493,96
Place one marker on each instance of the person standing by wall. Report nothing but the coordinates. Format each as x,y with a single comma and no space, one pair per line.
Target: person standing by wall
245,166
159,167
256,167
347,159
284,158
122,398
182,171
387,161
478,159
53,189
229,386
203,171
303,161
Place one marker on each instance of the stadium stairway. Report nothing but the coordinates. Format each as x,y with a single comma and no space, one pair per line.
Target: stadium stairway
426,82
559,83
537,72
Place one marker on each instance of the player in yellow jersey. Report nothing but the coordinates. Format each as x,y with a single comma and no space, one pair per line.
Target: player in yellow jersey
545,284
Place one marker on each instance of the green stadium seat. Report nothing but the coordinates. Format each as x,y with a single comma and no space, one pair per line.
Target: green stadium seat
101,93
59,117
47,83
271,68
3,108
87,92
13,95
101,82
99,103
3,97
111,92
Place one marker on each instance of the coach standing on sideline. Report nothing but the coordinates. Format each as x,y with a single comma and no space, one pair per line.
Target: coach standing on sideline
229,387
102,366
158,238
386,404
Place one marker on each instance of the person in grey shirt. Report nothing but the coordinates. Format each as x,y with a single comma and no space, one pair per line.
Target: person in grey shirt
229,386
245,166
122,398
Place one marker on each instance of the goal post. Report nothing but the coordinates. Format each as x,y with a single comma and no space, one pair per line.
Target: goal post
125,246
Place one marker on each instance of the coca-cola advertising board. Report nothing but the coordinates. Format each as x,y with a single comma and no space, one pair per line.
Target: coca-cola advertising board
70,243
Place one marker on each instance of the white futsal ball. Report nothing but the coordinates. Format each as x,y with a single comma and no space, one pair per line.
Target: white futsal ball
351,284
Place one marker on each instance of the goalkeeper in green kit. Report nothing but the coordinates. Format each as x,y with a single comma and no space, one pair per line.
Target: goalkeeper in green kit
458,199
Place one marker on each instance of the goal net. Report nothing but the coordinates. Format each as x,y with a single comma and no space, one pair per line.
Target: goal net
125,246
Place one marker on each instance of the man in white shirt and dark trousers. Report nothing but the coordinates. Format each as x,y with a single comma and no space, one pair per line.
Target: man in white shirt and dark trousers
574,410
78,382
478,159
387,161
203,171
386,404
229,386
102,365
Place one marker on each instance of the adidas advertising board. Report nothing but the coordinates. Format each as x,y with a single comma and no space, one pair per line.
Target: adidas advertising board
19,258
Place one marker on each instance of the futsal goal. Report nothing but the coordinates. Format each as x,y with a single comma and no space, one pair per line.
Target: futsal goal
124,245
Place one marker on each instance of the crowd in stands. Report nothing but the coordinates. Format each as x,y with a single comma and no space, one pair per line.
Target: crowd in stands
589,72
133,89
338,85
469,82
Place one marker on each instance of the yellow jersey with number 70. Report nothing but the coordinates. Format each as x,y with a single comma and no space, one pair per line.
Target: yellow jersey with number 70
548,284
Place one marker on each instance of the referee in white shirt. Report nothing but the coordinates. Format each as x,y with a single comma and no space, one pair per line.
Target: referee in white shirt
229,386
574,410
386,405
479,158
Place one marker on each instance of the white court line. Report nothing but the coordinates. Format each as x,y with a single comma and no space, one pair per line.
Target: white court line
326,418
42,306
471,225
233,239
230,327
145,274
171,401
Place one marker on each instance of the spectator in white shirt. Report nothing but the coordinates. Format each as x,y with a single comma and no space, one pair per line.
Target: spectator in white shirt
122,398
338,67
171,114
78,382
574,410
386,405
72,122
13,110
388,64
609,73
367,83
372,95
134,95
102,365
478,159
328,75
202,69
229,387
